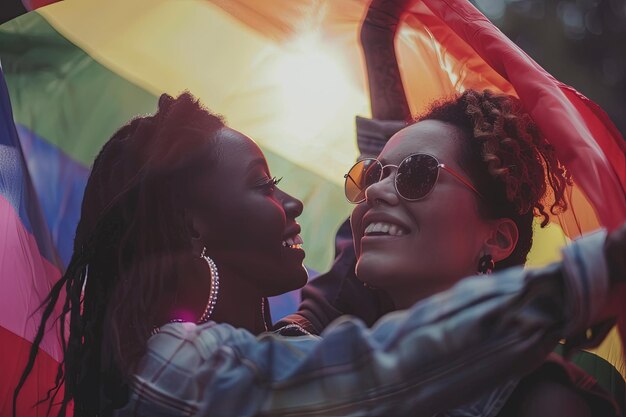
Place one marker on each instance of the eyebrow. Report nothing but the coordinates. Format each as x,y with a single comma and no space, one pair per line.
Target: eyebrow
257,162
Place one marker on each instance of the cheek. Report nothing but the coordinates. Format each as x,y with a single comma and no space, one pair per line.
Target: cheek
452,240
273,221
447,233
263,222
356,221
255,223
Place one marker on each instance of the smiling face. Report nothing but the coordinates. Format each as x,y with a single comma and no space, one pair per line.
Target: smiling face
413,249
246,222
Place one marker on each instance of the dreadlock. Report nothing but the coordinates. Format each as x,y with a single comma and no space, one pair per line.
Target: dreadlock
132,223
508,159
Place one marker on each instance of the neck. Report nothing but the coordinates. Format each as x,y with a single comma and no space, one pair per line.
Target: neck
404,298
239,303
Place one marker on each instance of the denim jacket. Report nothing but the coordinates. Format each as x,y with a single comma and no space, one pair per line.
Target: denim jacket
441,353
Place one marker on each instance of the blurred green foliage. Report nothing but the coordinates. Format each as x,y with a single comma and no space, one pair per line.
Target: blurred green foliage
580,42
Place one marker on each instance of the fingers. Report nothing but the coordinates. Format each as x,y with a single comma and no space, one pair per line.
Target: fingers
615,252
386,13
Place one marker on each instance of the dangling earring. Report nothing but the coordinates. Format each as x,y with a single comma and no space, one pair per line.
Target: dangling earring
368,286
210,305
215,288
485,265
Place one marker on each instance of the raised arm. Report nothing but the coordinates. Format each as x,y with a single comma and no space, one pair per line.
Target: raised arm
338,291
378,34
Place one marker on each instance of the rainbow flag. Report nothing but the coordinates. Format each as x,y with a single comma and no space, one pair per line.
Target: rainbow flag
289,74
29,266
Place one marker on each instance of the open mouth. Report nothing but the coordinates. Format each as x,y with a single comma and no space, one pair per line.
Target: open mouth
294,242
384,229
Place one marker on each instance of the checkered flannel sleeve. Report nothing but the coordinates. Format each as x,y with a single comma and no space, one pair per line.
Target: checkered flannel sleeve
440,353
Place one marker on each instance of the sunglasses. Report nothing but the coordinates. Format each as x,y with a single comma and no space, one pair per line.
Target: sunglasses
415,178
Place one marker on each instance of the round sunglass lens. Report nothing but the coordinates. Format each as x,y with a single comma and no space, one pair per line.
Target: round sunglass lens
417,176
361,176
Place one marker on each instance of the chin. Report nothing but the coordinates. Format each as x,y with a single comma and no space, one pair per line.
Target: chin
373,272
391,271
298,279
287,281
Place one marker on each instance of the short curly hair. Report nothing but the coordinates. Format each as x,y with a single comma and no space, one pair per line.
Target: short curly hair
509,161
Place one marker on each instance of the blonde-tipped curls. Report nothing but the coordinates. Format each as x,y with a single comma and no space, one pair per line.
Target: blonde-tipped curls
517,154
508,160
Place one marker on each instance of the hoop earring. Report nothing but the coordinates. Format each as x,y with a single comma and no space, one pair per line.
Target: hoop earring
368,286
215,288
485,265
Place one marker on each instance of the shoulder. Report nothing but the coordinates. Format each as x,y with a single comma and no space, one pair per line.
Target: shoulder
551,398
184,348
189,343
190,332
179,364
557,388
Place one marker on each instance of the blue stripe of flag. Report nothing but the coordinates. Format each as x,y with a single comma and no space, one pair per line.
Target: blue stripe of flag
15,184
59,182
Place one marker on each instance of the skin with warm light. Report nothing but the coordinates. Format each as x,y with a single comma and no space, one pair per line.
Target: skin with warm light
414,249
252,224
248,227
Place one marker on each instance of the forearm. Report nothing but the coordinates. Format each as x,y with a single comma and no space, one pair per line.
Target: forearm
432,357
442,352
387,97
451,347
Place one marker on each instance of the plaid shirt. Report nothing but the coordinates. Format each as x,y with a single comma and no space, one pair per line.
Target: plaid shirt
442,352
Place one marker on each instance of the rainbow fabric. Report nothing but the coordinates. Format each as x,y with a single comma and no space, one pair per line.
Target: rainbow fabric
287,73
28,267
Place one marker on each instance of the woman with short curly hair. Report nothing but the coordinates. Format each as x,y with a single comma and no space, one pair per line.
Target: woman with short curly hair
447,195
464,182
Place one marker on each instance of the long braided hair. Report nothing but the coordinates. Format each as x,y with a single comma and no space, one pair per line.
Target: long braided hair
509,160
132,224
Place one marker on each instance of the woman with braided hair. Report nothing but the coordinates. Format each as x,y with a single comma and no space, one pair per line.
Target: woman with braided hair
170,196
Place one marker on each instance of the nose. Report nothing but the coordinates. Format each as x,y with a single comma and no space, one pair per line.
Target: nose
293,207
383,191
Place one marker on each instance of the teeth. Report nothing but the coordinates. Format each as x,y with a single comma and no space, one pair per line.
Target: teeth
382,227
293,242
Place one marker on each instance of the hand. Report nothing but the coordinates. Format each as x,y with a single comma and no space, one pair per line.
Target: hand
615,251
385,15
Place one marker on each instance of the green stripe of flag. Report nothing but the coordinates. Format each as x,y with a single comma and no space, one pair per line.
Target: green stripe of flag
74,102
61,93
